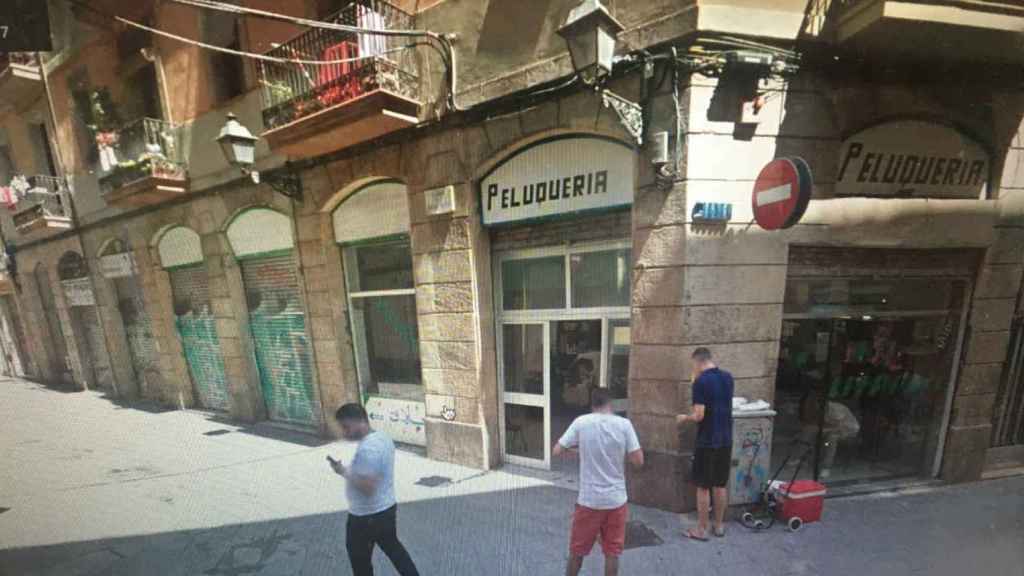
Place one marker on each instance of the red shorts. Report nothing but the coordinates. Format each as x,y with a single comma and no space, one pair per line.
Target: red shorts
587,523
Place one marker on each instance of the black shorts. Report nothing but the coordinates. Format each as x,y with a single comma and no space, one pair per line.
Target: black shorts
711,466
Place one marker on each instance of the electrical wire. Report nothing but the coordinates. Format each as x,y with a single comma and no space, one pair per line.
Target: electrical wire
252,55
451,72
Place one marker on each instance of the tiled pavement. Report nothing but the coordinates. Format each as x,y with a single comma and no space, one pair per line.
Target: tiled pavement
96,488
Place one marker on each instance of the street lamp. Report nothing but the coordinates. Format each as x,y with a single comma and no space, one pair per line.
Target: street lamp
590,33
237,143
239,148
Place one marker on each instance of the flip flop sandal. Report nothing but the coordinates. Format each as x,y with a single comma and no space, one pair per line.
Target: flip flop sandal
693,535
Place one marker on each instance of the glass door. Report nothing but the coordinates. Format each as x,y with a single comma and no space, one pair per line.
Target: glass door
525,373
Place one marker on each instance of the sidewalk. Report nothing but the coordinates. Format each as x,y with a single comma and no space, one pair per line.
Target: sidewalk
96,488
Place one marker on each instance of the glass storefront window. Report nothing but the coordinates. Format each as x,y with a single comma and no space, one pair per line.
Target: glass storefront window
866,394
382,308
524,358
381,266
524,431
600,278
854,297
392,338
533,283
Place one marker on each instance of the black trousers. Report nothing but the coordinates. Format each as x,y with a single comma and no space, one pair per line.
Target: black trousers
362,533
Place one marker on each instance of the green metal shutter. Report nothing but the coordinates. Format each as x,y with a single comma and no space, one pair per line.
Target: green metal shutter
193,317
56,332
278,326
138,330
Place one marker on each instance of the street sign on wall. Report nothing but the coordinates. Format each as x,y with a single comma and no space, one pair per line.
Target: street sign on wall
781,193
558,176
912,158
120,265
24,26
78,292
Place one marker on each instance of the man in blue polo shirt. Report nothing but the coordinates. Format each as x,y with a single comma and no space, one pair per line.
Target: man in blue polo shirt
712,411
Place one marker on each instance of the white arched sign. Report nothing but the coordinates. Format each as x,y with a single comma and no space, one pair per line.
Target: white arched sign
558,176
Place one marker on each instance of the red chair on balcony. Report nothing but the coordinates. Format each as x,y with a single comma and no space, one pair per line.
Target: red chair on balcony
339,82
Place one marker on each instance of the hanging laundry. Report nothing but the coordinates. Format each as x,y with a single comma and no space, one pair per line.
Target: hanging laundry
8,197
371,44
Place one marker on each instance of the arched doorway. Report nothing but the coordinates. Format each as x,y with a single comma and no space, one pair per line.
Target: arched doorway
263,244
53,329
181,256
117,264
371,226
85,323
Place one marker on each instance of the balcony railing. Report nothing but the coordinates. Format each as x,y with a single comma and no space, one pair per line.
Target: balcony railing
45,204
19,58
293,91
145,148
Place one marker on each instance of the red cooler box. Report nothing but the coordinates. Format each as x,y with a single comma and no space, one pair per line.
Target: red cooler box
800,503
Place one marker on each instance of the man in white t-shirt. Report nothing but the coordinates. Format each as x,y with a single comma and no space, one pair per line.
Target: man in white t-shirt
605,441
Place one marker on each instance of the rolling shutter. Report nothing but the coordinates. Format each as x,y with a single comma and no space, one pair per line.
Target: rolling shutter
194,320
278,326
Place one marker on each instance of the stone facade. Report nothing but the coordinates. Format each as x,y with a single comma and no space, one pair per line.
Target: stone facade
720,286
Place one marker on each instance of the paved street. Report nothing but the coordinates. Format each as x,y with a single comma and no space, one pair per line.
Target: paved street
92,487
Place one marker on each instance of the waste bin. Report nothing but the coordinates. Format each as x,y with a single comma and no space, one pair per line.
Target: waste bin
751,454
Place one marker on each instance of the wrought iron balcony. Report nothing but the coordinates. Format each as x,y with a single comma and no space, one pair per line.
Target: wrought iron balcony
20,80
142,163
310,109
44,203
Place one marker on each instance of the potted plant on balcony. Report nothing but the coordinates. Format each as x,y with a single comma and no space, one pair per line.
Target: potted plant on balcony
104,123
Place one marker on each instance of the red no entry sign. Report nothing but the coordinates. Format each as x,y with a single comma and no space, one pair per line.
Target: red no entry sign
781,193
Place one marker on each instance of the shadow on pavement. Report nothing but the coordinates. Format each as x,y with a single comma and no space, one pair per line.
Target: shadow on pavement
505,532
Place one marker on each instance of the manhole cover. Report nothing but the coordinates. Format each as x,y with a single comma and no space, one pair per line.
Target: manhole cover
220,432
638,535
434,481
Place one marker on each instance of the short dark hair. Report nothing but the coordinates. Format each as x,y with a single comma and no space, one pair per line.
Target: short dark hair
599,398
351,411
702,354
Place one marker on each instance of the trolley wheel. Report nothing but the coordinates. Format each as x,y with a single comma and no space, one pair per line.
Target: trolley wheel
759,525
747,518
795,523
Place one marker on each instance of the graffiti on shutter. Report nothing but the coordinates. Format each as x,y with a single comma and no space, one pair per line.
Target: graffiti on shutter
278,326
142,346
194,320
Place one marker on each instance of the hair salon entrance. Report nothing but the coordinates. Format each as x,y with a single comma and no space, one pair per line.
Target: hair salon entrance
563,330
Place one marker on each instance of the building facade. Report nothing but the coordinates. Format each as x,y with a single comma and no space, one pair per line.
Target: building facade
471,270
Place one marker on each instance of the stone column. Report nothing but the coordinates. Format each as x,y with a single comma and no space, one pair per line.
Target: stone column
230,310
719,286
996,294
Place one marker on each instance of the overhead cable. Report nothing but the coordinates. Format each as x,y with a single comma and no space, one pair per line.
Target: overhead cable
252,55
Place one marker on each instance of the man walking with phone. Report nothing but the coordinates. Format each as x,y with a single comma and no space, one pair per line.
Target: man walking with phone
605,441
712,411
370,488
